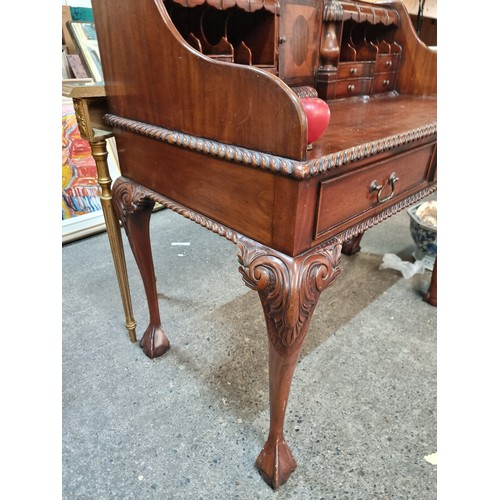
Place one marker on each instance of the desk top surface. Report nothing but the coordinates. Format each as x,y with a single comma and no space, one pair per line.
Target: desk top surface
361,121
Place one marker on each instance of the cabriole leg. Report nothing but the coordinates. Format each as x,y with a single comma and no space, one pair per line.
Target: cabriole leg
431,295
289,289
134,210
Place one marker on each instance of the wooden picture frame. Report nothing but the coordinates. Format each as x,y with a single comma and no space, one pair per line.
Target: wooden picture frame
85,38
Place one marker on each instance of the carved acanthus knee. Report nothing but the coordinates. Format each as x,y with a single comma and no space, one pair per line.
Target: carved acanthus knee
288,287
129,198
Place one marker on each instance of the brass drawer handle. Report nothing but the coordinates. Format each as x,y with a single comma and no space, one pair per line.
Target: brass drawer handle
374,186
354,71
350,88
386,82
388,63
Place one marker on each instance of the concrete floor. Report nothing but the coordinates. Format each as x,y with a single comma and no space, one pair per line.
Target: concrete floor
189,425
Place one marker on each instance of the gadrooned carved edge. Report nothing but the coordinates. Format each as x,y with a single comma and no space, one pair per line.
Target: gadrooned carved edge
363,151
372,221
264,161
289,288
207,146
305,91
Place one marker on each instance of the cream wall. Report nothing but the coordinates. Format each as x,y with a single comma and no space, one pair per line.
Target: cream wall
430,8
77,3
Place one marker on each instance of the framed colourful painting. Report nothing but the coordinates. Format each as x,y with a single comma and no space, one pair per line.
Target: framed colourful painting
81,205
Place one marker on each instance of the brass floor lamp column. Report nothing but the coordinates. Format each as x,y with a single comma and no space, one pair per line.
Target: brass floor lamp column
90,105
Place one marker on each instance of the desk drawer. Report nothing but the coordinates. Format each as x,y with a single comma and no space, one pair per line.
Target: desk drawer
356,86
386,62
384,82
355,69
365,192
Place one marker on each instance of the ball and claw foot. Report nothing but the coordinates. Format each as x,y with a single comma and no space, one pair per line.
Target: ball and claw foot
154,342
276,463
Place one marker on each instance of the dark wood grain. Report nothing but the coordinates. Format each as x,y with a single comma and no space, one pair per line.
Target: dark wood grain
418,68
359,121
153,75
225,144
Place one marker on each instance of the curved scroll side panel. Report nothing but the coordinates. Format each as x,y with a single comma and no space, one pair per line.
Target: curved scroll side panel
153,75
418,67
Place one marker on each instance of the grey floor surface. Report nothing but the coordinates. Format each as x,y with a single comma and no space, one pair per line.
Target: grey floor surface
189,425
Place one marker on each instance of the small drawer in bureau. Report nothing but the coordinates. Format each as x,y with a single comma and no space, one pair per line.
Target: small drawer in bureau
356,86
355,70
347,199
383,82
386,62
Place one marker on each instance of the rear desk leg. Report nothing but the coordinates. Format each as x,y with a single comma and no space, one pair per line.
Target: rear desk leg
352,246
289,289
431,295
134,210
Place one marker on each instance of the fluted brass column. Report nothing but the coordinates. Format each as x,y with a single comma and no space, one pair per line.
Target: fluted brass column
90,105
100,154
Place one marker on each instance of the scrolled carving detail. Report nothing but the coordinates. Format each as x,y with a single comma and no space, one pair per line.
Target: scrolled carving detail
128,198
289,288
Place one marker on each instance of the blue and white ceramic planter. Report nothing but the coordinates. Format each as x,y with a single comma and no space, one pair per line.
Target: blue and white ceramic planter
424,236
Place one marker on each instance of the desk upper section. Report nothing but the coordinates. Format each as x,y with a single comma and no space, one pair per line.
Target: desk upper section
227,70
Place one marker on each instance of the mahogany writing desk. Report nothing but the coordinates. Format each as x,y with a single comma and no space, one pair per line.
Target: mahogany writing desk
204,101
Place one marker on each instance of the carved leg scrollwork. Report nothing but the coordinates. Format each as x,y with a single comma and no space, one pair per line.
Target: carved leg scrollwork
289,289
134,209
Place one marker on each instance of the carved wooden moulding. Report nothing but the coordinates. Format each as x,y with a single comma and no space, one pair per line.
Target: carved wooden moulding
264,161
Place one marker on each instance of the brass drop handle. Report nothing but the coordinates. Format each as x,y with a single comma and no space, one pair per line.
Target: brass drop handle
375,186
